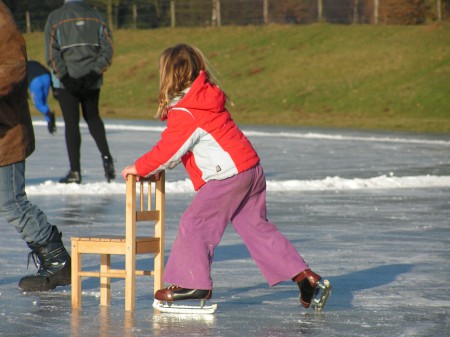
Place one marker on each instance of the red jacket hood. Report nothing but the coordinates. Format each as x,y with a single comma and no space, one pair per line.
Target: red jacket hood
203,95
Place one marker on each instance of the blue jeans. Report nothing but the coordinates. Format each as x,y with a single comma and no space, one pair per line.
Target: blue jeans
27,218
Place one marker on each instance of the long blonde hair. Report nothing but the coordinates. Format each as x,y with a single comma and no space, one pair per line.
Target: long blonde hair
179,66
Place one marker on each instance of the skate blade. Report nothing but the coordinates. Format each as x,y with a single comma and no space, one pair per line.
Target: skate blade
318,303
184,309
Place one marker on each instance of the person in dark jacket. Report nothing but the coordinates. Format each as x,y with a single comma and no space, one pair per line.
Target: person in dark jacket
16,144
39,84
79,49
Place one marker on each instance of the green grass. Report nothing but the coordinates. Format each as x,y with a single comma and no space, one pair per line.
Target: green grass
367,77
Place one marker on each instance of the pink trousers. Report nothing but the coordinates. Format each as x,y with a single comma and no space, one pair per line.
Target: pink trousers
240,200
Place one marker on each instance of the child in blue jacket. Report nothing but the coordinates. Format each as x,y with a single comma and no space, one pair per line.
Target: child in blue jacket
39,83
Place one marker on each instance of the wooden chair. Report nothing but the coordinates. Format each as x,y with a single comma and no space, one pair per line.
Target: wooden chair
128,245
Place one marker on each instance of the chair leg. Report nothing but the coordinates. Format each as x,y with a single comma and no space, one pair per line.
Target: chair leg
105,282
158,272
130,281
75,278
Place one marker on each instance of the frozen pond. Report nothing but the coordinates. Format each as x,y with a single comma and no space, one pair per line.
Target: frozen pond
370,211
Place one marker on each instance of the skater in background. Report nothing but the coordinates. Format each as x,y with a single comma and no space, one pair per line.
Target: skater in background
17,143
39,84
79,49
226,173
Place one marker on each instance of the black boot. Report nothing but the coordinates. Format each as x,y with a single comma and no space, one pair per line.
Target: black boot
54,265
108,165
71,177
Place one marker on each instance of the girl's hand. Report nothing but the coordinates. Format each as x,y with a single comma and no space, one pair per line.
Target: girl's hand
130,170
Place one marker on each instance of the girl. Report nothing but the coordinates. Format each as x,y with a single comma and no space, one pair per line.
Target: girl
225,170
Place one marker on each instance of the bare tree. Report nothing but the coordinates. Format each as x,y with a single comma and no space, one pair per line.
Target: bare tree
355,11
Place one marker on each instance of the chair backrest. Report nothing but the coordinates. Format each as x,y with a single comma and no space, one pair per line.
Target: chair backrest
145,201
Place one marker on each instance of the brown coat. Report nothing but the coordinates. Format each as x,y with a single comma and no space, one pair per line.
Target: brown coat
16,129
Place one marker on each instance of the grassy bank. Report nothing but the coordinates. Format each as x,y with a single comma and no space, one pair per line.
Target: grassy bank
369,77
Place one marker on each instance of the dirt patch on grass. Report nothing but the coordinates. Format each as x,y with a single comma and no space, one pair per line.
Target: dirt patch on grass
136,68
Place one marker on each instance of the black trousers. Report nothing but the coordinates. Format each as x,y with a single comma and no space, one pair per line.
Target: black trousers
70,107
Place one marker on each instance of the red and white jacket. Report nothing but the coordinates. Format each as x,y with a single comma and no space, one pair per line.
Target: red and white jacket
201,134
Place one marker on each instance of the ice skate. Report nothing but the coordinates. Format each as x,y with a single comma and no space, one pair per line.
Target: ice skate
312,292
71,177
108,165
164,299
322,297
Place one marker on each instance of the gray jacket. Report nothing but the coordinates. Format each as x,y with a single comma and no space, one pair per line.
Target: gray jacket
77,41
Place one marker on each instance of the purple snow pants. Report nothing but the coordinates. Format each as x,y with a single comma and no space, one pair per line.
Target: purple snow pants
240,200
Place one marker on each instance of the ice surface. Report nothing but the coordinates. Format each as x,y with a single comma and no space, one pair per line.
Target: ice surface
369,211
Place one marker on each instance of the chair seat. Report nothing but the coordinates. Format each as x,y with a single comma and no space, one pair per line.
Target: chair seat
112,238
